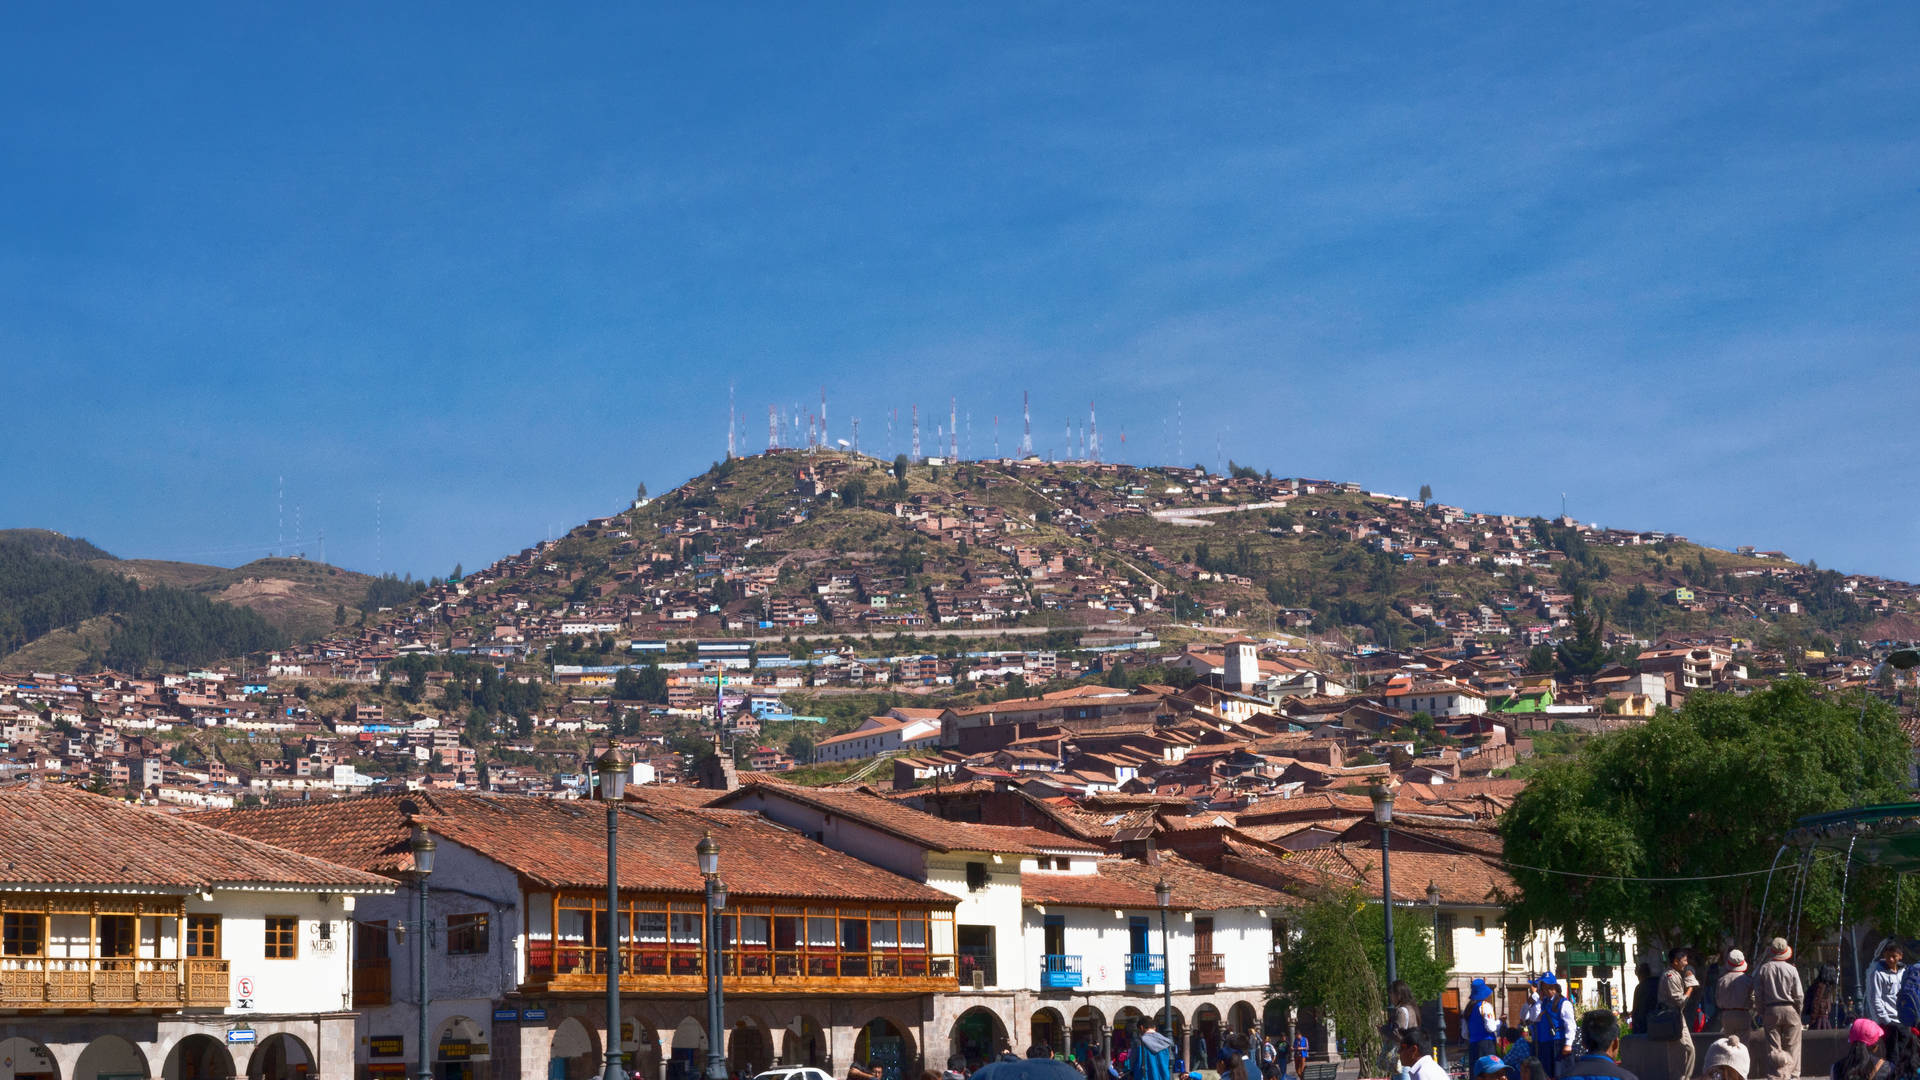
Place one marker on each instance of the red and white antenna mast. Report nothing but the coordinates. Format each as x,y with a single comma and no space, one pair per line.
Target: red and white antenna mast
915,457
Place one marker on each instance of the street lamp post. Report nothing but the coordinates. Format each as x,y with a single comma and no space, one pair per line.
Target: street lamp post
1163,895
1382,795
707,855
422,847
612,767
1440,1040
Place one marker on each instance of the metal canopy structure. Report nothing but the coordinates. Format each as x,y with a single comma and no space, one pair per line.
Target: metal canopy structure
1886,836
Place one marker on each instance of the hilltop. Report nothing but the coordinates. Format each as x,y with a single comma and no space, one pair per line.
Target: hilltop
829,543
66,603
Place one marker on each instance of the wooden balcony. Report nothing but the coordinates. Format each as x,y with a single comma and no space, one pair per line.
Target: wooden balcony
1209,969
743,971
37,983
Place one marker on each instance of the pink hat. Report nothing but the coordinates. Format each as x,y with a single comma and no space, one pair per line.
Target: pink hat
1865,1031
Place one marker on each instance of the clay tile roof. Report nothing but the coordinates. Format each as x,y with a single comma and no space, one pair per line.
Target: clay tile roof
54,835
555,843
869,808
1462,879
1040,839
1127,883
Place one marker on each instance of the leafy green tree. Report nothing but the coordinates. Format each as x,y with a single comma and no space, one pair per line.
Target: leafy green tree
339,614
1541,659
800,747
900,468
1710,790
1586,652
853,492
1426,493
1336,964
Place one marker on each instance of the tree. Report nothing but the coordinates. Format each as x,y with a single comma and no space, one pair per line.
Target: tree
1586,652
339,614
1426,493
1540,659
800,748
640,492
1337,964
853,492
1710,790
900,468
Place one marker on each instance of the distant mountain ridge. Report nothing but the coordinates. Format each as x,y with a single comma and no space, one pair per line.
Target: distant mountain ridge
65,604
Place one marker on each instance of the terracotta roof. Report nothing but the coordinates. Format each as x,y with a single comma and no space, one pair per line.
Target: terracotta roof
1128,883
562,844
1040,839
869,808
1462,879
55,835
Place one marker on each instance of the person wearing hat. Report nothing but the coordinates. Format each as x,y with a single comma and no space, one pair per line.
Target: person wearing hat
1883,985
1493,1067
1553,1031
1600,1033
1778,997
1733,996
1482,1026
1726,1060
1866,1056
1672,1000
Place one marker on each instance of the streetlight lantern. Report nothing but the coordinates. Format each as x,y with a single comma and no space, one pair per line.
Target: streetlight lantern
1162,892
707,854
612,767
1433,895
421,845
1382,796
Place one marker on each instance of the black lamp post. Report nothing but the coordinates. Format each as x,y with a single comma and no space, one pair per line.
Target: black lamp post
1382,795
707,855
1163,895
612,768
1440,1042
422,847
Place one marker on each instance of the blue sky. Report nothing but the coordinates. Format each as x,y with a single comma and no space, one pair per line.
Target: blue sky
486,268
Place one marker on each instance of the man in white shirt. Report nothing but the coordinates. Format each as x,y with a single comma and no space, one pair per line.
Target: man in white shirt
1416,1059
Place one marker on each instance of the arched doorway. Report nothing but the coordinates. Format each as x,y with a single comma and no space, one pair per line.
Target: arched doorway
1206,1037
978,1036
749,1048
1126,1028
641,1049
1242,1019
575,1054
25,1059
454,1052
1175,1027
881,1042
1088,1031
280,1057
1047,1029
689,1056
110,1056
803,1043
196,1057
1275,1020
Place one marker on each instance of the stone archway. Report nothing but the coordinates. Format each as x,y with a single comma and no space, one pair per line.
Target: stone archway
889,1047
576,1052
1205,1040
1175,1027
803,1042
22,1058
1087,1033
640,1045
1046,1028
749,1047
1243,1019
109,1056
687,1057
280,1057
978,1036
1126,1028
197,1057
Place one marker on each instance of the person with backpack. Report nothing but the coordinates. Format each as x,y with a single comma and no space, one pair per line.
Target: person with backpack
1778,997
1152,1057
1267,1056
1553,1031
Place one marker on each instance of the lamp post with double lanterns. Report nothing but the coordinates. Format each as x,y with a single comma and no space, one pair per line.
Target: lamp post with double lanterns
422,845
707,855
1163,896
612,769
1382,795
